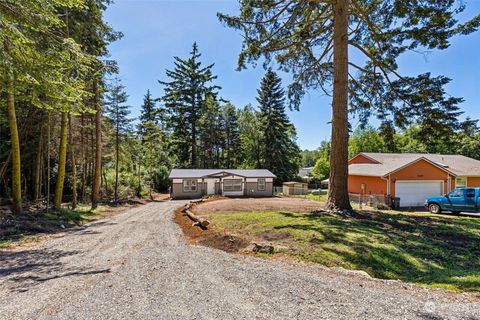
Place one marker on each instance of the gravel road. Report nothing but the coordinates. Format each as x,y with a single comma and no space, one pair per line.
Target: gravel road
136,265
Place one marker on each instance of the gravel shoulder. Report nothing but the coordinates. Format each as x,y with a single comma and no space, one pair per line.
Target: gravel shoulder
137,265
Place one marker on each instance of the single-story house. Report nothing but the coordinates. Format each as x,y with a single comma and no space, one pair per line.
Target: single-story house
304,173
409,176
196,183
291,188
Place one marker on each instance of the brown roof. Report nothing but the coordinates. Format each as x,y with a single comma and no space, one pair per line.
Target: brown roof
388,162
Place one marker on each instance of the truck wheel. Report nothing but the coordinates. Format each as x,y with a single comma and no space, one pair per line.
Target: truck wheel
434,208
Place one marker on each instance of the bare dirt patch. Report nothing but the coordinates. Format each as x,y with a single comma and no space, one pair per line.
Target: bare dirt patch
209,237
257,204
228,243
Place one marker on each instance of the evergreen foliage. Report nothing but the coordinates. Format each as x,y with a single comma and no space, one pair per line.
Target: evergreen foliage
280,152
185,100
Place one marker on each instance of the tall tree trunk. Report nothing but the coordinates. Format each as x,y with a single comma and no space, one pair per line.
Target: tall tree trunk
84,158
98,147
38,165
48,160
74,164
117,158
15,146
62,162
338,189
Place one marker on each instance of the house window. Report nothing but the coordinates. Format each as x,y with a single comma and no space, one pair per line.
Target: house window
261,184
232,185
461,182
189,185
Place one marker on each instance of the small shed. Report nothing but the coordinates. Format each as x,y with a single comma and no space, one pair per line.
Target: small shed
291,188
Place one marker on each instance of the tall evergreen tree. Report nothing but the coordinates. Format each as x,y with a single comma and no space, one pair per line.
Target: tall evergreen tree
185,99
232,136
311,39
147,110
211,127
280,151
117,111
251,137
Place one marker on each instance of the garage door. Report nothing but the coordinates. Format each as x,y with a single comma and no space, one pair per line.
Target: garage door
414,193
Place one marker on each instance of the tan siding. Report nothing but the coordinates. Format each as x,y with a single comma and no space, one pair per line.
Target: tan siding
251,190
177,191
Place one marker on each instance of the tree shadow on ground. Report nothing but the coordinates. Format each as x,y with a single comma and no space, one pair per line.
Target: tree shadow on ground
25,269
433,250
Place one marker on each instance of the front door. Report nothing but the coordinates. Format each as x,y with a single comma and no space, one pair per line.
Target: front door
210,187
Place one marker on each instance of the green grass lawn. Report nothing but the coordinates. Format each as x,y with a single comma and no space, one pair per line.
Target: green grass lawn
435,250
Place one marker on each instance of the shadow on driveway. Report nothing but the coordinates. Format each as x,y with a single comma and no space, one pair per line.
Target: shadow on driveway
22,270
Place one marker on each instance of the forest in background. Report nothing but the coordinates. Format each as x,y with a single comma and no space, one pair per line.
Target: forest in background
67,134
76,142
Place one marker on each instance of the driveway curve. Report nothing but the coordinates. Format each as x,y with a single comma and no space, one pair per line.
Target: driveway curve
136,265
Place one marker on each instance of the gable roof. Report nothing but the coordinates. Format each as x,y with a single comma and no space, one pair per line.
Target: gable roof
303,172
389,162
204,173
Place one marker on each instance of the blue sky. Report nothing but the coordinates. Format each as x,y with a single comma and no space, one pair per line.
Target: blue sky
156,30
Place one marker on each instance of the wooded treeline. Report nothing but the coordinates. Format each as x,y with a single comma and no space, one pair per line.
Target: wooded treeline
67,134
207,131
459,137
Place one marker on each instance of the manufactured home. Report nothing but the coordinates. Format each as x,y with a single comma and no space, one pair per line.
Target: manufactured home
196,183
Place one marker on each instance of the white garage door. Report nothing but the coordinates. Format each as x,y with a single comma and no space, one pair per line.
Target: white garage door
414,193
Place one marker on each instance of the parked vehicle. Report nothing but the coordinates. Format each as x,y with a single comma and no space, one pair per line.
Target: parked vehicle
456,201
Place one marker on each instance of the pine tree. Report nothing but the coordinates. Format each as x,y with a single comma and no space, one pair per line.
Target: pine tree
117,112
280,152
185,99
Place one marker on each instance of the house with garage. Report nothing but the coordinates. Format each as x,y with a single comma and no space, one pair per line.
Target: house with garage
196,183
409,176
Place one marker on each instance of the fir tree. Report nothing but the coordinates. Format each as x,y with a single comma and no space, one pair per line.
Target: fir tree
117,112
148,115
211,128
311,40
232,136
185,99
280,152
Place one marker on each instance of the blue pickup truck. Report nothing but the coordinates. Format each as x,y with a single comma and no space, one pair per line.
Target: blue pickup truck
456,201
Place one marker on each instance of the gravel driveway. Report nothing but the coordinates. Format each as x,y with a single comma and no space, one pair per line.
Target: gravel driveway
136,265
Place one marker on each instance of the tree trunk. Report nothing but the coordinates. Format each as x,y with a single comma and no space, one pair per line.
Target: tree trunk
74,164
84,158
15,146
98,147
48,160
38,165
338,189
117,142
62,161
